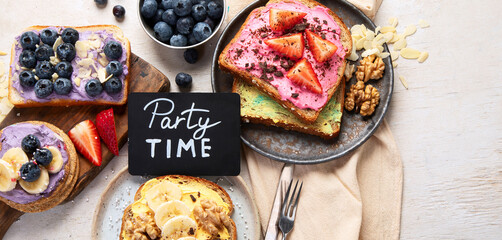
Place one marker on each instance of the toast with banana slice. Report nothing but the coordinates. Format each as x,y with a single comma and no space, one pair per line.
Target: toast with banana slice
38,166
179,207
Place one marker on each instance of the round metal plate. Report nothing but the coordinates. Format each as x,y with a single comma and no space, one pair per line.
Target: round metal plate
293,147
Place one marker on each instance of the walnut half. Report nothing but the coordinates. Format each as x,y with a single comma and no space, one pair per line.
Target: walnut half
211,217
362,98
142,226
371,67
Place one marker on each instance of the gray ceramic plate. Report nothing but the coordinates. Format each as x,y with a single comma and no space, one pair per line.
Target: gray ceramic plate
120,193
299,148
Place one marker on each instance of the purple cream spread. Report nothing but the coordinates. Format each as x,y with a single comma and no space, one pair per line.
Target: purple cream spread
78,92
12,137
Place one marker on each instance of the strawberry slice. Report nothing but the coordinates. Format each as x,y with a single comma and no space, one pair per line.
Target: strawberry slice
303,74
86,140
281,20
292,46
322,49
106,129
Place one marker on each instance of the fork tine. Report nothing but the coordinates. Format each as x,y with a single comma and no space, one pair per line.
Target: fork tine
286,196
291,199
296,201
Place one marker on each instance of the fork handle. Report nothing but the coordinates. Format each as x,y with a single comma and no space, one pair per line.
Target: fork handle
284,235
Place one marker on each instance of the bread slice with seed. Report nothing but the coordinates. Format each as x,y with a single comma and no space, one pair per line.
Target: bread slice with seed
306,115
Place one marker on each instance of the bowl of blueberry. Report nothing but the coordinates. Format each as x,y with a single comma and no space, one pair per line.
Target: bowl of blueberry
181,24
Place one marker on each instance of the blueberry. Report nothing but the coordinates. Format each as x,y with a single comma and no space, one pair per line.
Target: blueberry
178,40
182,7
199,13
64,69
44,52
27,59
209,22
183,79
63,86
191,39
113,85
114,68
70,35
44,69
203,3
191,55
30,143
48,36
214,10
29,40
43,156
167,4
27,79
163,32
43,88
113,50
29,172
66,52
93,87
118,11
158,16
170,17
202,31
149,8
184,25
101,2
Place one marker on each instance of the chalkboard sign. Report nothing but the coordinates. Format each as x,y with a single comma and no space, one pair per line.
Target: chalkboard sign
184,133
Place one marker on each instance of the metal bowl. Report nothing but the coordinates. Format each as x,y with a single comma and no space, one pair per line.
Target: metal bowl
149,29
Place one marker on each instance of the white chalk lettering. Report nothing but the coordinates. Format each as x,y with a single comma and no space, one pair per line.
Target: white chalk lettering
203,147
186,147
168,148
152,145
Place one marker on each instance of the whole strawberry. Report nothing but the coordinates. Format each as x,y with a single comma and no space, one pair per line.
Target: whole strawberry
105,123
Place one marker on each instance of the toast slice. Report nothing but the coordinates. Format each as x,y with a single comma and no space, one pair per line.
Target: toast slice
251,60
258,108
20,99
66,184
139,217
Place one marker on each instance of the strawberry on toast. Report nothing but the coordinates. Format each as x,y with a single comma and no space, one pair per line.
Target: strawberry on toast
292,50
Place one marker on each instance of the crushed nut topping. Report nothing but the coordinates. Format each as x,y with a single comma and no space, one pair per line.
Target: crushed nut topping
142,227
211,217
371,67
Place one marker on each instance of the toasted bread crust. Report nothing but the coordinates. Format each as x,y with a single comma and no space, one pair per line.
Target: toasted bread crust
67,183
183,178
295,127
18,101
306,115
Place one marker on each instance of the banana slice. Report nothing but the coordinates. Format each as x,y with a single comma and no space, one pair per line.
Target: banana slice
179,226
8,177
169,210
57,160
187,238
161,193
38,185
16,157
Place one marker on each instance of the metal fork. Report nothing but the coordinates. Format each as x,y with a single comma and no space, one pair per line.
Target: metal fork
288,211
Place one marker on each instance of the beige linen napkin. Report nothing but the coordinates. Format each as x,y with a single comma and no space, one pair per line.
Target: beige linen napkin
356,196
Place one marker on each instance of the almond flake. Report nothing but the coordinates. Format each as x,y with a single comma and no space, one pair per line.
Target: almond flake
393,21
400,44
423,56
394,64
384,55
54,60
58,42
369,52
81,48
410,53
410,30
77,81
423,24
2,53
102,75
394,55
403,81
387,29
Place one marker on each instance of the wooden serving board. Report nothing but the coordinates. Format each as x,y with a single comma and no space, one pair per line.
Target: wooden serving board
143,78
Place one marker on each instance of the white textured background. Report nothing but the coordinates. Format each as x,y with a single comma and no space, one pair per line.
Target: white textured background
448,125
